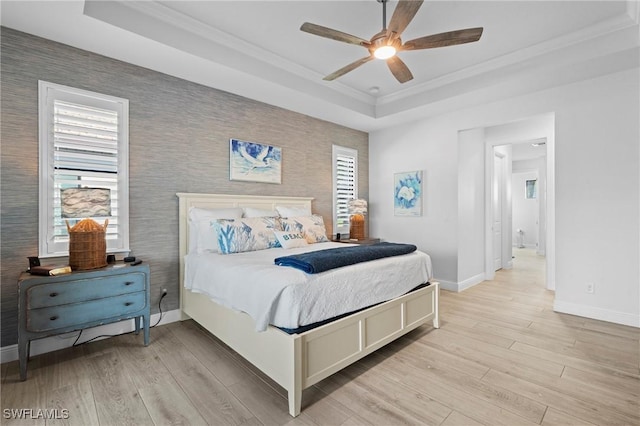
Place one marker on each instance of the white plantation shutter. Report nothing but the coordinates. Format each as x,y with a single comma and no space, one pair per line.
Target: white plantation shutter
345,186
83,144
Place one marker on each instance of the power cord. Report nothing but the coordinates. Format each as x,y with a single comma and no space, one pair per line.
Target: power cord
75,343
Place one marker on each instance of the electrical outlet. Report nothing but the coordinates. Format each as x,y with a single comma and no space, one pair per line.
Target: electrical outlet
164,291
590,288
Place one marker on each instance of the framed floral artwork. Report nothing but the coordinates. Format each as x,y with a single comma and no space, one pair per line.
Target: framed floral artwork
407,199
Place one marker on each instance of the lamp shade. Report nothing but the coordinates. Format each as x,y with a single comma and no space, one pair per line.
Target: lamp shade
358,206
85,202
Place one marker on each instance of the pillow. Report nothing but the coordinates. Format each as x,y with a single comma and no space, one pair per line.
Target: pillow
285,211
202,236
290,239
251,212
246,234
312,227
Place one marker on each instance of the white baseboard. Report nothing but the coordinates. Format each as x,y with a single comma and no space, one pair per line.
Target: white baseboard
470,282
463,285
54,343
593,312
447,285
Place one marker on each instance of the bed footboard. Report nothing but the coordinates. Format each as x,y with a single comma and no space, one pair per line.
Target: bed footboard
298,361
332,347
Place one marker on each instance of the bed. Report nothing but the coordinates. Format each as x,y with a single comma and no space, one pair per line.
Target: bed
297,361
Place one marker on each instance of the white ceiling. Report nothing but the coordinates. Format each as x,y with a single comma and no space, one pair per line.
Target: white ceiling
255,49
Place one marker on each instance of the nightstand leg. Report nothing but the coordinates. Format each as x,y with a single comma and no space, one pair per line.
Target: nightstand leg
147,320
136,322
23,356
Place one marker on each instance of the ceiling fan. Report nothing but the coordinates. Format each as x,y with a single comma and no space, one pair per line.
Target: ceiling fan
387,43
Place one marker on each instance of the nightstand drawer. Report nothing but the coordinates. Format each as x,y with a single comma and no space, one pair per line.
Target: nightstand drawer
43,295
56,317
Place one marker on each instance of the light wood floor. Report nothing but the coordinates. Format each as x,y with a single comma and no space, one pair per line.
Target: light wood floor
501,357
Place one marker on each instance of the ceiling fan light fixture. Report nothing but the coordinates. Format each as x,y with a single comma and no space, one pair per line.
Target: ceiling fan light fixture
387,43
384,52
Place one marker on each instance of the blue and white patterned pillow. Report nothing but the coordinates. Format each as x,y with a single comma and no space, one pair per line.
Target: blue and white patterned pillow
247,234
290,239
312,227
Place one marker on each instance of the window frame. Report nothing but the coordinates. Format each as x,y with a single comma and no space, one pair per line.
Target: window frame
342,151
48,93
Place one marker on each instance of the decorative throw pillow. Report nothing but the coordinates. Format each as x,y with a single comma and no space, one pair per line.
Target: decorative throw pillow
312,227
202,236
286,211
290,239
247,234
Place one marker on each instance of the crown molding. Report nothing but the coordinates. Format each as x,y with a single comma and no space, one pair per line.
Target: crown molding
600,29
161,39
190,25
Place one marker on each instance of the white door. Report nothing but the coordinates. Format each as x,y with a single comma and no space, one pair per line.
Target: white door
497,199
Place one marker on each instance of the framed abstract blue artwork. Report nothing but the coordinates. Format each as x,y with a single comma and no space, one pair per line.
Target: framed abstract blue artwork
254,162
407,199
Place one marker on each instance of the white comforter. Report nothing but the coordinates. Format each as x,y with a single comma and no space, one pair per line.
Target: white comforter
287,297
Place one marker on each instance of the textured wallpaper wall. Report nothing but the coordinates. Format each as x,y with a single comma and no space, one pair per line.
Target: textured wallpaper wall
179,142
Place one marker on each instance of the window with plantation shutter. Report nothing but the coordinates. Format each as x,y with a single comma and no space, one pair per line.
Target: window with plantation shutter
83,144
345,186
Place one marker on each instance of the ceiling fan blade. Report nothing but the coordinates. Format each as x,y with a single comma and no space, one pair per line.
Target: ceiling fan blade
399,69
403,14
444,39
342,71
321,31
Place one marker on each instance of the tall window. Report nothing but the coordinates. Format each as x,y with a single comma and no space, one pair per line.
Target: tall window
84,143
345,186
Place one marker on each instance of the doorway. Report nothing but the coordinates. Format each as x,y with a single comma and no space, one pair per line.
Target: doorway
507,140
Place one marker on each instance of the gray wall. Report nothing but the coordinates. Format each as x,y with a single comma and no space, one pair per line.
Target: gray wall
179,142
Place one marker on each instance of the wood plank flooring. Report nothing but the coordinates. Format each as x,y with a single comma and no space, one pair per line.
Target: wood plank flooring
501,357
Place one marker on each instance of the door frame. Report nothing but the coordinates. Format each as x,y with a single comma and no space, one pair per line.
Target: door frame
506,220
498,193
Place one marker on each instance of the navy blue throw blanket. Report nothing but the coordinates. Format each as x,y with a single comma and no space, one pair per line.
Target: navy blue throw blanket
323,260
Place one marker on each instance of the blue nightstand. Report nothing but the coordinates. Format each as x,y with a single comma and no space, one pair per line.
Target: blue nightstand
48,306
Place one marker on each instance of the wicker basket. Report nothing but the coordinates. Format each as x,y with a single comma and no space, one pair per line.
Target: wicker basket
88,249
356,227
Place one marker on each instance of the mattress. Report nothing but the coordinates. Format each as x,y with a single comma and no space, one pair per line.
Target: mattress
289,298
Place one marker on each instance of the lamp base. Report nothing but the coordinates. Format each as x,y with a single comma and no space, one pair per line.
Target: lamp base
357,227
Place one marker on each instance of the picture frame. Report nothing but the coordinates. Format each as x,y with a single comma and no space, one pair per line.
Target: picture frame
254,162
407,197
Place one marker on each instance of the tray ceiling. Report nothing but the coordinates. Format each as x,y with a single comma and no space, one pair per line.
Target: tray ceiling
255,49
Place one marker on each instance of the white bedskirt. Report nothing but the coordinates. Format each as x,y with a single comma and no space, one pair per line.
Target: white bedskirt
287,297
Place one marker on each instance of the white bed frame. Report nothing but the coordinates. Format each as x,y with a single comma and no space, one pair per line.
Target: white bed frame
300,360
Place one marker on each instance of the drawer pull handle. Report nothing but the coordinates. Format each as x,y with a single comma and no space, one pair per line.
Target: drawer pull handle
53,318
53,294
128,283
128,303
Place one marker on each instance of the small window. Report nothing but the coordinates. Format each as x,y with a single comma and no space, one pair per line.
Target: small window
84,143
345,186
531,189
